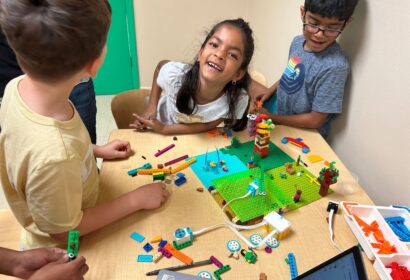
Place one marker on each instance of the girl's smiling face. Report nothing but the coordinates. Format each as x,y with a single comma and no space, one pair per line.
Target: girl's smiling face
221,58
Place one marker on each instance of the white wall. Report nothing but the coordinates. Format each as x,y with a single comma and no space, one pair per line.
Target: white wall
175,29
372,136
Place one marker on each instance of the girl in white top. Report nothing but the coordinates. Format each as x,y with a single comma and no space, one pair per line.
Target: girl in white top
199,97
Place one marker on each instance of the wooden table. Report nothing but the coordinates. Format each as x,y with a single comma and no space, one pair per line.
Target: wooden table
111,253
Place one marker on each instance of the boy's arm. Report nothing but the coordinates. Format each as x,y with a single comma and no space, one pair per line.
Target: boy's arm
258,92
113,150
306,120
180,128
145,197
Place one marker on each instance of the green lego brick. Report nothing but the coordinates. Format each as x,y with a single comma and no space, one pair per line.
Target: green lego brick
218,272
159,177
181,246
72,244
276,156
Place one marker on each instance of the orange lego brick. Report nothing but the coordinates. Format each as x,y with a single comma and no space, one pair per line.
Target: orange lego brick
179,255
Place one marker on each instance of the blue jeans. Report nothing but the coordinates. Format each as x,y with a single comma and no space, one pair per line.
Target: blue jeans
83,98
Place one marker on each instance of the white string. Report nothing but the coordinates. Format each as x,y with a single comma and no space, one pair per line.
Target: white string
331,229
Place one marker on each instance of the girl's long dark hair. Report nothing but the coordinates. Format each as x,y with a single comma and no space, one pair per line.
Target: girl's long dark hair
190,82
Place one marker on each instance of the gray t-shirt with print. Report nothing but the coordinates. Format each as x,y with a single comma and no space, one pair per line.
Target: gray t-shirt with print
313,82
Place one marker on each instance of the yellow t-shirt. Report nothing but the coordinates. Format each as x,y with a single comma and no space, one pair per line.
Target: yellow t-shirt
47,170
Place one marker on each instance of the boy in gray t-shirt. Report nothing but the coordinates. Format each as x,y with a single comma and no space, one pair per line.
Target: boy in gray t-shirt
311,88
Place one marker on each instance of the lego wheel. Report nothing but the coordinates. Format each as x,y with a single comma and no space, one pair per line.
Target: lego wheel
305,150
233,246
255,239
272,242
71,256
205,274
284,140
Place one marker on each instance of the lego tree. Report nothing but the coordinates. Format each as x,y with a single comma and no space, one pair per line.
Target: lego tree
235,143
327,177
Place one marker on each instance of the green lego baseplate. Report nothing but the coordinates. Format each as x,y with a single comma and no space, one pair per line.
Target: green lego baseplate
279,191
244,152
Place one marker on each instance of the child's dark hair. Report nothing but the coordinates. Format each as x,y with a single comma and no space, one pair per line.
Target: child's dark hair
341,9
186,102
54,39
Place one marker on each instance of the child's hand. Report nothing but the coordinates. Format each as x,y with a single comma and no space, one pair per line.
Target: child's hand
62,270
264,111
141,123
149,114
32,260
114,149
151,196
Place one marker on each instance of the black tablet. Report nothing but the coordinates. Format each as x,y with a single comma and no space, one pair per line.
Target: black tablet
348,265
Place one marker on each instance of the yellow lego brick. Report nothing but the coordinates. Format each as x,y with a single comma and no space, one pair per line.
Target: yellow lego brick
156,239
182,166
151,171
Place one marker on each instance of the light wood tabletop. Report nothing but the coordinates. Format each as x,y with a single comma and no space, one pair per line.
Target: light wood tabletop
111,253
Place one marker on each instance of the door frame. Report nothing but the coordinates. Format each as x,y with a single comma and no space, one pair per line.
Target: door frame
132,39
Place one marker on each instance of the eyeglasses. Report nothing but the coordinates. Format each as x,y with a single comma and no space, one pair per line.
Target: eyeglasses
329,32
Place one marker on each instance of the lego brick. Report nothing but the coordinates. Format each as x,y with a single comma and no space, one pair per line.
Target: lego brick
223,269
157,257
180,181
176,160
292,266
147,247
165,252
144,258
183,165
182,245
179,255
137,237
156,239
72,244
167,148
134,172
216,262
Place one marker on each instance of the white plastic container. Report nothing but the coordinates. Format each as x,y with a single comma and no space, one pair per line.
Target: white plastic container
368,214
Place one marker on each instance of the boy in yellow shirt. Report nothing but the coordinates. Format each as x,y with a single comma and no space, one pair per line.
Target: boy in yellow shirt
47,165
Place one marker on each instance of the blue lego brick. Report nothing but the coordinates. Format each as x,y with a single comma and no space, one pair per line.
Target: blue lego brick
162,243
137,237
180,174
145,258
134,172
180,181
292,266
396,223
147,247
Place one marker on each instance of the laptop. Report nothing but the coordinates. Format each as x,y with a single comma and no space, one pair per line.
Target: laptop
348,265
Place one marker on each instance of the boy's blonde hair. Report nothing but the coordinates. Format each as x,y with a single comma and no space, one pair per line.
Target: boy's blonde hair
54,39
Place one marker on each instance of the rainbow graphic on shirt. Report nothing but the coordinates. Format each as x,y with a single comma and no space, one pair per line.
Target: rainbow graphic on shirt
293,77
